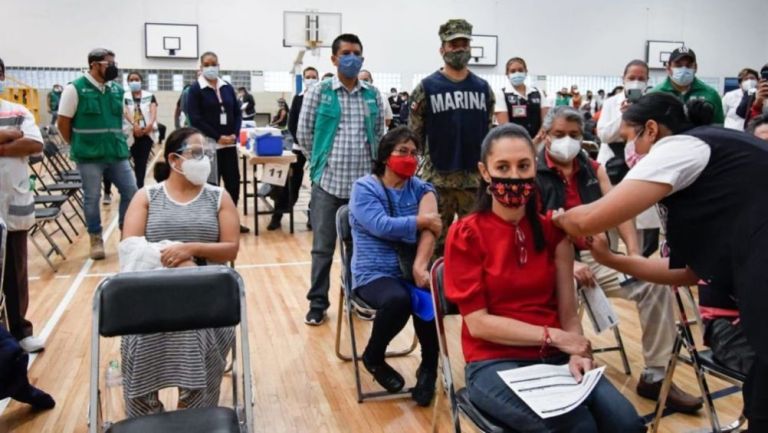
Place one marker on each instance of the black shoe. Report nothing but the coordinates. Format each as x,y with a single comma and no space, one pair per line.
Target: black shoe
244,229
386,376
35,398
424,391
315,317
275,223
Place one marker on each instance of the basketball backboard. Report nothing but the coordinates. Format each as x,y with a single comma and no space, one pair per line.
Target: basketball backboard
308,28
170,41
484,50
657,52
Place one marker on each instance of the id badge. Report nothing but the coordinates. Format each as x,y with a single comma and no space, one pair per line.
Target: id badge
519,111
223,118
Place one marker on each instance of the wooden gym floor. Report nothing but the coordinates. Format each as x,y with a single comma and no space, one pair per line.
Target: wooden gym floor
299,384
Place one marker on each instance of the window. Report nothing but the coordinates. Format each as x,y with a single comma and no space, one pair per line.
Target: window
387,80
278,82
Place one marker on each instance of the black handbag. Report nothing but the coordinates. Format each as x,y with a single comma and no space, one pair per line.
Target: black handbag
406,253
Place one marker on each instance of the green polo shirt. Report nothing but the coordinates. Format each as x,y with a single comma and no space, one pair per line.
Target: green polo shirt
698,90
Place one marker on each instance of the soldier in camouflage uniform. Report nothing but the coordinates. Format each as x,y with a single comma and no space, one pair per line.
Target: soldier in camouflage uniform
452,110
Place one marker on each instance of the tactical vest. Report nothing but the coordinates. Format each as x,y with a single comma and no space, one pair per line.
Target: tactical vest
530,119
456,121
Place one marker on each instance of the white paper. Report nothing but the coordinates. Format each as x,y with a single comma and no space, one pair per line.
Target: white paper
550,390
599,309
276,174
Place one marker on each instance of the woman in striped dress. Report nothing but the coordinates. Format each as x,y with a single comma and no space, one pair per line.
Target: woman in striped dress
204,221
388,208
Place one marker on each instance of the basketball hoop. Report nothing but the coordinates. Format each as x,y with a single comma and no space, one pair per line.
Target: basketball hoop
314,47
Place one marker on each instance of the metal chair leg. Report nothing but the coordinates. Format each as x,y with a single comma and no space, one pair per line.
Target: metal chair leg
339,319
666,385
622,351
42,252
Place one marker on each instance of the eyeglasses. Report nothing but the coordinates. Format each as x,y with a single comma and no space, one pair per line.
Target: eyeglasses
105,62
401,151
186,151
522,252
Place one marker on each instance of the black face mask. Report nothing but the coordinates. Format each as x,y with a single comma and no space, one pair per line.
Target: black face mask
110,73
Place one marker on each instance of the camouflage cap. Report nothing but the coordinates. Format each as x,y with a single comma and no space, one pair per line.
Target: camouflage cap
455,29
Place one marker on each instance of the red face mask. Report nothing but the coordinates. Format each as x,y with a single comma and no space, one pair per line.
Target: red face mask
403,165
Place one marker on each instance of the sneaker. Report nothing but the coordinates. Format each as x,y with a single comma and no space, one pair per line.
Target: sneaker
97,247
385,376
32,344
244,229
424,391
315,317
107,199
677,400
276,222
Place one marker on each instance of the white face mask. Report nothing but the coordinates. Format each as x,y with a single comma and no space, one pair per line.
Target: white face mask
310,82
564,149
196,170
635,85
748,85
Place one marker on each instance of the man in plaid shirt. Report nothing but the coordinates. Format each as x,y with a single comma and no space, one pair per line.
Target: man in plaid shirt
340,125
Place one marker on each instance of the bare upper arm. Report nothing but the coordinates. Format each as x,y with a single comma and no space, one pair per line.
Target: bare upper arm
604,180
229,221
136,216
428,203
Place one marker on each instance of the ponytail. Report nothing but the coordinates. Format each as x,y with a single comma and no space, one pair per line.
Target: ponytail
700,112
162,171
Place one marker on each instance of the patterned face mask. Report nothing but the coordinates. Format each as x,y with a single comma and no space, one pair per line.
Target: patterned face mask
511,192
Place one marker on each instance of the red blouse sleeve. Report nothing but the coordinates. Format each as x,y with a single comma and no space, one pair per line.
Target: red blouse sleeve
464,268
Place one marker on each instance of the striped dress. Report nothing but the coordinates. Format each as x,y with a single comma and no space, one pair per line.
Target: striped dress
190,360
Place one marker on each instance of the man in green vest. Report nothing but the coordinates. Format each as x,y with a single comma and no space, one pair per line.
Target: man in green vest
340,125
91,120
682,82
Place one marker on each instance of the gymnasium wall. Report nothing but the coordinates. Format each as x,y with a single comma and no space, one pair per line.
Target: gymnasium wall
563,37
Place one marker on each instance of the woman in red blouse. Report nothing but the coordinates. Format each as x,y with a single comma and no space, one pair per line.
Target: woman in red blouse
510,271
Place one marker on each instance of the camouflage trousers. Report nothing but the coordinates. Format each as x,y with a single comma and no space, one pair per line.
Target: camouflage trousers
450,203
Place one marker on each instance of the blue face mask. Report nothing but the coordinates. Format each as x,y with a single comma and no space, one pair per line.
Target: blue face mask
350,65
683,76
135,86
211,72
517,78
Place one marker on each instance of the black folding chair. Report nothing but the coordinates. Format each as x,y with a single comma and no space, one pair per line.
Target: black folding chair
458,399
44,216
703,363
3,240
172,300
350,304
